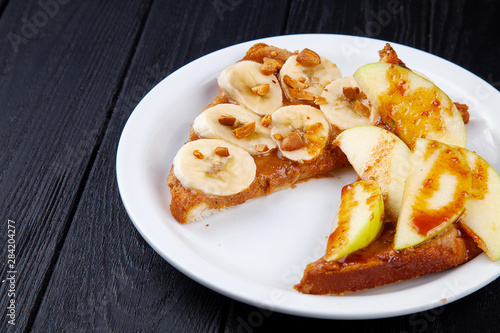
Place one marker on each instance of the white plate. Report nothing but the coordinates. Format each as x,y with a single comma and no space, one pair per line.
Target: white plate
256,252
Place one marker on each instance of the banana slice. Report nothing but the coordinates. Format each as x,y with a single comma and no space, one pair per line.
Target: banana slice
300,131
214,167
346,106
236,125
306,82
246,85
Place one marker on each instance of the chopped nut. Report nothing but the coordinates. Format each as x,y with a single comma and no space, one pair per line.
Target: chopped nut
320,100
227,120
351,93
269,66
361,109
198,154
292,83
292,142
244,131
302,79
308,58
301,95
278,137
261,148
222,151
261,90
274,53
266,120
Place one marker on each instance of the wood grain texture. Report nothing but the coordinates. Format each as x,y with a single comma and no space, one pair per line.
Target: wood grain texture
394,21
465,32
3,4
55,92
121,283
66,92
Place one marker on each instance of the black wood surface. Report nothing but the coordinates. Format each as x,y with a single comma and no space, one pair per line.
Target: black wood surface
67,87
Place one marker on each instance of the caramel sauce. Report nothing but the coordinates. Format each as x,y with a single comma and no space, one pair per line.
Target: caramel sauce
273,169
315,141
403,108
278,170
426,219
479,180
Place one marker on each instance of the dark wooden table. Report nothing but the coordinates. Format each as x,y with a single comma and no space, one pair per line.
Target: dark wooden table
71,73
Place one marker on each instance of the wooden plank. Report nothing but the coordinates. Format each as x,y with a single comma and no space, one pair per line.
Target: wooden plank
468,39
56,87
101,279
3,4
387,20
107,277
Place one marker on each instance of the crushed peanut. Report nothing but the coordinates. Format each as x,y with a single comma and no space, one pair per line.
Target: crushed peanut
266,120
198,154
308,58
352,93
270,66
222,151
320,100
295,84
244,131
292,142
301,95
278,137
261,90
261,148
226,120
361,109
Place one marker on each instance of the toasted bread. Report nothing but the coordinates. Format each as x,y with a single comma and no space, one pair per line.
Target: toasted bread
274,172
379,264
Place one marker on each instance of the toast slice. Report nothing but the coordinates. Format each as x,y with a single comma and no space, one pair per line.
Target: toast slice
379,264
273,171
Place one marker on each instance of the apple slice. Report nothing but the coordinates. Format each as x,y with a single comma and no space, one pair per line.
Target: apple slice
435,193
378,154
358,221
411,105
481,218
